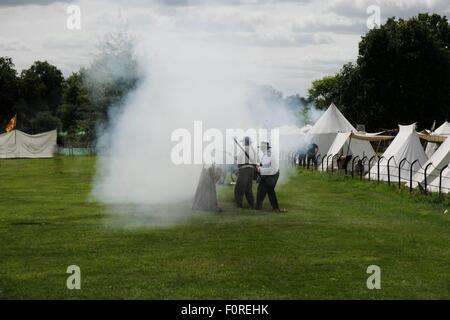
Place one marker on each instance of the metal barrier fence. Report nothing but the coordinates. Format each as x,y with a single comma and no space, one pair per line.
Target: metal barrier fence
402,172
73,151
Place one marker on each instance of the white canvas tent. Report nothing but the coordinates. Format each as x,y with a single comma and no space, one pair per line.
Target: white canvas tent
327,127
444,129
439,160
17,144
406,145
345,145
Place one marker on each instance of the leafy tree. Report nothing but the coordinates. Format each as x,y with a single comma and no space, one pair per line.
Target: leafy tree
324,91
75,101
300,106
41,86
44,121
40,89
8,90
112,75
402,75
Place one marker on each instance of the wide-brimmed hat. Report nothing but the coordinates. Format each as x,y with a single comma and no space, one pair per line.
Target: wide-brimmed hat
265,144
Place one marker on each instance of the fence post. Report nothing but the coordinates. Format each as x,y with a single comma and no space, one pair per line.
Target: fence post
440,179
400,171
362,167
425,176
370,164
389,170
353,165
317,161
328,158
378,168
411,174
332,169
323,158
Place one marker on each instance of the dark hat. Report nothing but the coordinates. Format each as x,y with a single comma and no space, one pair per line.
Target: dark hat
265,144
247,141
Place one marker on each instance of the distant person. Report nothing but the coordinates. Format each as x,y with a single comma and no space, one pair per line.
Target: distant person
269,171
311,154
247,161
302,156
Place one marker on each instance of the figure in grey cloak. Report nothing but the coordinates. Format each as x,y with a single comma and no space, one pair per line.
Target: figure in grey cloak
205,198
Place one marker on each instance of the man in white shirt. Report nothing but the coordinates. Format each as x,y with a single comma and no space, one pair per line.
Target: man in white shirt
269,172
247,161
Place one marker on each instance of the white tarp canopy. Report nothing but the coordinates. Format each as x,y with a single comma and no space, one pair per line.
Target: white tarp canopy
344,145
406,145
326,128
444,129
439,160
17,144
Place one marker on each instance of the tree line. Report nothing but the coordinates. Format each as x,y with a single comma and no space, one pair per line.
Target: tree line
77,106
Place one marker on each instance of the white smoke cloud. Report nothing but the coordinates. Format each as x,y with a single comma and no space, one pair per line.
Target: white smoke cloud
183,82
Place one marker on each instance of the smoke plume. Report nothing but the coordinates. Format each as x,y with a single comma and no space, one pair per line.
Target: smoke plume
182,81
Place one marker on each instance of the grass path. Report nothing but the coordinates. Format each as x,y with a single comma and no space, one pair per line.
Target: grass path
334,229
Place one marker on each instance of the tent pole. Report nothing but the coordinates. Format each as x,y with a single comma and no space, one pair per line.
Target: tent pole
348,148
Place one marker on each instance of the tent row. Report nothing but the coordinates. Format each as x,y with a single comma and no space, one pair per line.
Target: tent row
17,144
336,138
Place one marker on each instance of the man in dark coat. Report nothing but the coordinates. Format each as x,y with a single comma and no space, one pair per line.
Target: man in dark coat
247,161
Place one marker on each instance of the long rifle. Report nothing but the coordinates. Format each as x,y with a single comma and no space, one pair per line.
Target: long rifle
256,172
242,148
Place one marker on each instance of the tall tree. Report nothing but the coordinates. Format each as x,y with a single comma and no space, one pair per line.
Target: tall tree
75,103
324,91
40,89
41,86
109,79
8,90
402,75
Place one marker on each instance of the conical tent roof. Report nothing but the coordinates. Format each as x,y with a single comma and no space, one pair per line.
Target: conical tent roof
444,129
406,145
327,127
332,121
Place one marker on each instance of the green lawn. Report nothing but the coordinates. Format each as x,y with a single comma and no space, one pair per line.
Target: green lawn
335,228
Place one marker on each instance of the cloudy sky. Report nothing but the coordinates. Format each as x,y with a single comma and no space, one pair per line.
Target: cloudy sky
282,43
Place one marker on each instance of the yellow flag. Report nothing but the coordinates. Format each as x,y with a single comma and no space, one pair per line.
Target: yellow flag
11,124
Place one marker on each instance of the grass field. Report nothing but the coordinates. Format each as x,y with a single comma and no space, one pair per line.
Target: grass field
335,228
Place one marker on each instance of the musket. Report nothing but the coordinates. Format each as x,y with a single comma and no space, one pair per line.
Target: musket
247,155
